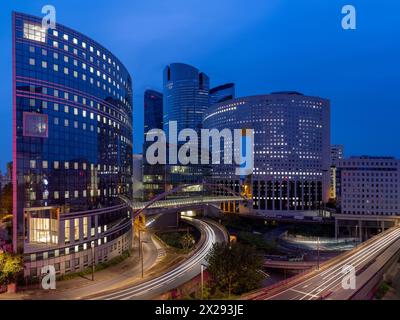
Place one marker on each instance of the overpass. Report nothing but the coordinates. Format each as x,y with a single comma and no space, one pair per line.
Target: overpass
161,202
181,202
370,261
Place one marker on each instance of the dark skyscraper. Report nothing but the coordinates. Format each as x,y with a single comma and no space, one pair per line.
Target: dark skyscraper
222,93
186,98
153,175
153,111
72,148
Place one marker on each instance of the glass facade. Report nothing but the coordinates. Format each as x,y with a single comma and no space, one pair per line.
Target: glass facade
222,93
72,139
186,98
153,175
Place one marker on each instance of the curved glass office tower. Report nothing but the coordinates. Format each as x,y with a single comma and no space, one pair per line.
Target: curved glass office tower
72,102
186,98
291,150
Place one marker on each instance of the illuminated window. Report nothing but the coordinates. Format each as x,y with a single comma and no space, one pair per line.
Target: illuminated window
32,61
76,229
34,32
43,226
67,231
85,227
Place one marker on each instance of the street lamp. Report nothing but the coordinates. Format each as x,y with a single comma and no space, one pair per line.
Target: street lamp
318,253
141,250
92,250
202,266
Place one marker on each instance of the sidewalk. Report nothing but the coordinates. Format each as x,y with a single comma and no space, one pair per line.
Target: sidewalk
123,274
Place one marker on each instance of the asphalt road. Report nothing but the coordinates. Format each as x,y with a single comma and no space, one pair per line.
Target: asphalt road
327,283
114,280
177,276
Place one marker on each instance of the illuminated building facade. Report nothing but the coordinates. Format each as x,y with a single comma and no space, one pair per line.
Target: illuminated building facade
291,151
186,99
72,149
368,196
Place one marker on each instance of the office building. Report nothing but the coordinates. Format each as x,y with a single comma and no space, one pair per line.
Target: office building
186,98
72,149
153,175
291,152
337,154
222,93
368,196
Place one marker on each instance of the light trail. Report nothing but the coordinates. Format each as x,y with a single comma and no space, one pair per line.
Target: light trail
173,275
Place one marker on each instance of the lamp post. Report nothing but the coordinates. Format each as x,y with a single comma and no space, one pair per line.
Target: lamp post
202,281
318,253
141,249
92,251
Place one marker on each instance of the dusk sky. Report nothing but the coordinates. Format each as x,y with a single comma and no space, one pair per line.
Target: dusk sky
262,46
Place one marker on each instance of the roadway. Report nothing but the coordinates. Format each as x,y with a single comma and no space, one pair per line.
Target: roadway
367,259
176,276
108,279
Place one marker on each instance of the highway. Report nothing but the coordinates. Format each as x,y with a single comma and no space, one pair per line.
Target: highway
327,282
176,276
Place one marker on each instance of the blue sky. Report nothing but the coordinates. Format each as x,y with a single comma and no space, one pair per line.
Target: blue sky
260,45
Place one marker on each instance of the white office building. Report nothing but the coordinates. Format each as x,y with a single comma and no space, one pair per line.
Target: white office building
368,194
291,151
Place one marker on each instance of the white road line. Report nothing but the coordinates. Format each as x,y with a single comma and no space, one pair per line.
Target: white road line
338,275
171,275
331,269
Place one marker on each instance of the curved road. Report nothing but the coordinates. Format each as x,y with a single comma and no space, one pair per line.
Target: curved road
326,284
177,276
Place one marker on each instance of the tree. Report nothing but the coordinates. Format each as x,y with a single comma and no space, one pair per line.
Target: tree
10,266
187,241
234,268
7,199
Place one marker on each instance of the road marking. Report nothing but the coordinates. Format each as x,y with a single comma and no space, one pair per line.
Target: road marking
305,293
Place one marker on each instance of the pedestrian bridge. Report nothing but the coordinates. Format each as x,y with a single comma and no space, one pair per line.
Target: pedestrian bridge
161,201
181,202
